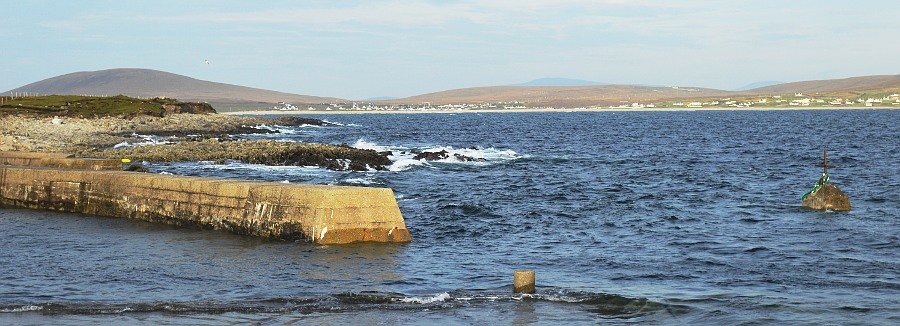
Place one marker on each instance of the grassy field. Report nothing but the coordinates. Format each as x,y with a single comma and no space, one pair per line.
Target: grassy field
83,106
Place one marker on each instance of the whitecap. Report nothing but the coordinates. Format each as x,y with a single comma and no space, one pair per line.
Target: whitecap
420,300
340,124
23,309
364,144
403,158
358,181
404,164
146,140
284,130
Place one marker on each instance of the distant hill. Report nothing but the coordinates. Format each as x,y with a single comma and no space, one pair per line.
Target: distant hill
878,83
560,82
574,96
569,96
556,92
154,83
381,98
758,85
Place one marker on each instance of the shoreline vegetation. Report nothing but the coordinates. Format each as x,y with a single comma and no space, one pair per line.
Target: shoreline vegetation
147,130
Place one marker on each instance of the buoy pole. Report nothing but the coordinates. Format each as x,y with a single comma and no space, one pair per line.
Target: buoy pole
523,281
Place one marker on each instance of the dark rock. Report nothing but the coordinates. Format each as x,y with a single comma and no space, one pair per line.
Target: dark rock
136,168
299,121
464,158
188,107
827,197
432,156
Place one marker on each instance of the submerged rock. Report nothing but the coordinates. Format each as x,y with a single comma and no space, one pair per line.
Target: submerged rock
432,156
827,197
443,154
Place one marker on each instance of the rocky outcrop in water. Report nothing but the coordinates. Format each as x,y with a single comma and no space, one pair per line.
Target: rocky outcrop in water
443,154
432,156
299,121
827,197
268,152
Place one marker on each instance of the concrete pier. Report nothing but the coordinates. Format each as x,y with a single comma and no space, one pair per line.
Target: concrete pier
57,160
320,214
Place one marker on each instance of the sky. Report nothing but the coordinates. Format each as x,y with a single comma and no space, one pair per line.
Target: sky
364,49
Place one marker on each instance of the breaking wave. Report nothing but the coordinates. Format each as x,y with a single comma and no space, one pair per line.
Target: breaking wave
609,305
147,140
404,158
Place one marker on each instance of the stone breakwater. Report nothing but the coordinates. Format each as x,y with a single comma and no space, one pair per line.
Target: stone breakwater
319,214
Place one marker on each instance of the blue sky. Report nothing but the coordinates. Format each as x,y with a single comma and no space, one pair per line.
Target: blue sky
361,49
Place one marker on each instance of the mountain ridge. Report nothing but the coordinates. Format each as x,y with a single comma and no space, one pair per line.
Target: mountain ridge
559,81
138,82
153,83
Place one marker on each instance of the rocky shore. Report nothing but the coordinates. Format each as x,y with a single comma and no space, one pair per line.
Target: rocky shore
268,152
198,137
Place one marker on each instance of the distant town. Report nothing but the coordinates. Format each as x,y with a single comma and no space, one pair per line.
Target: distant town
775,101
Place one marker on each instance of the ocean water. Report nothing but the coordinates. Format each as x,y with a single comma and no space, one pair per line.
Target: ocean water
626,217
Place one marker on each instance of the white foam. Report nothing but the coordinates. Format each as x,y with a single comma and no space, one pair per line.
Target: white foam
436,298
403,158
23,309
341,124
482,156
364,144
285,130
237,165
147,140
359,181
404,164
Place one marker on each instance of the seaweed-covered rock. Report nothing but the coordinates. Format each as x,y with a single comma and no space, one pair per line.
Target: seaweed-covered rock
432,156
827,197
299,121
268,152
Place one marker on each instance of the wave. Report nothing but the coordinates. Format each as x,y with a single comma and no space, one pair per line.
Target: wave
341,124
609,305
404,158
425,300
147,140
284,130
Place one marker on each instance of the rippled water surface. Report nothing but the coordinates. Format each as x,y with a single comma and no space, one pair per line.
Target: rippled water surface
637,217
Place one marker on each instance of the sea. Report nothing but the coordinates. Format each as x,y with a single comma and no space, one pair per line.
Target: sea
625,217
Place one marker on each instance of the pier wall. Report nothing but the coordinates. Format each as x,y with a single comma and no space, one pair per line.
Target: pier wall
57,160
317,213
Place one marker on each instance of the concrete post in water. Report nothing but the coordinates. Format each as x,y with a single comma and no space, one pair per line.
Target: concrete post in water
523,281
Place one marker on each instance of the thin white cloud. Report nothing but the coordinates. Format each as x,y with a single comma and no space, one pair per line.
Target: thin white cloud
381,13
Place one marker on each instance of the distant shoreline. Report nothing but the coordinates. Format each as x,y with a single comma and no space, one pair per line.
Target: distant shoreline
547,110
